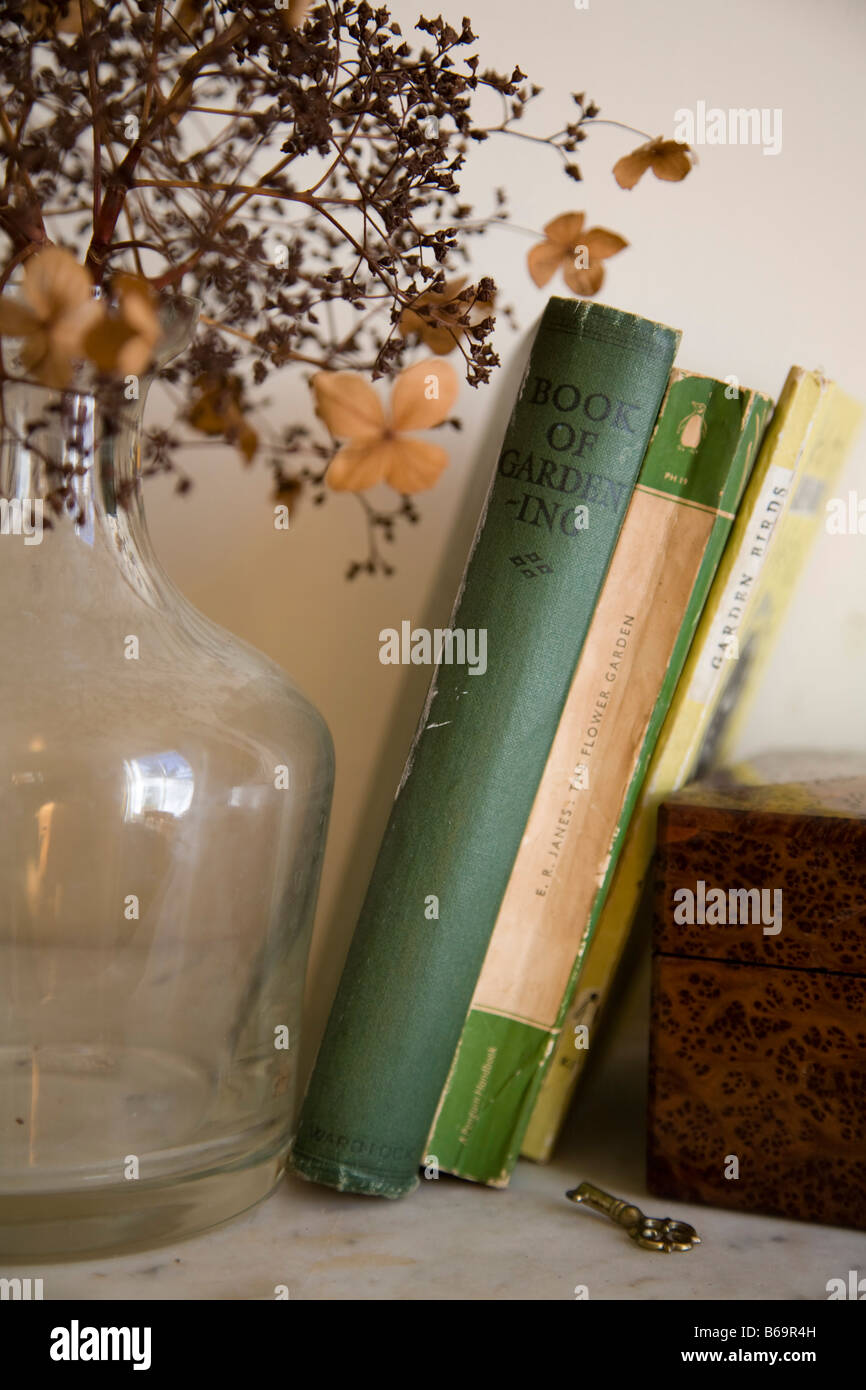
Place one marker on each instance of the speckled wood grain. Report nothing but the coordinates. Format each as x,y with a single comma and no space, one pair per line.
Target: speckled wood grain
758,1047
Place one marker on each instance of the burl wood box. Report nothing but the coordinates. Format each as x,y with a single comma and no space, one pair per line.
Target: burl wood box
757,1093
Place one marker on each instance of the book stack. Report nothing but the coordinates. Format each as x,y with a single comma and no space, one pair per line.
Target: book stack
638,546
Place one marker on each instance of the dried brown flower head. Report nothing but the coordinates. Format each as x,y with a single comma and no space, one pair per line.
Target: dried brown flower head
293,165
218,409
668,160
441,317
54,317
379,449
576,251
123,342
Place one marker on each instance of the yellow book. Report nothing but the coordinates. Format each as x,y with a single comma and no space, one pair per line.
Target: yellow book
803,451
835,430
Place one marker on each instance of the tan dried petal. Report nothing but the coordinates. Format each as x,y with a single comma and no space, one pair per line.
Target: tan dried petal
437,338
349,406
210,409
356,467
672,161
585,282
104,343
137,306
245,440
632,167
54,282
411,322
601,243
124,343
42,360
566,229
114,347
668,160
62,310
217,411
17,319
413,465
423,396
134,356
69,330
544,260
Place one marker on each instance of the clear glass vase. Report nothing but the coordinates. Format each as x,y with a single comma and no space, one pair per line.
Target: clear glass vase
164,796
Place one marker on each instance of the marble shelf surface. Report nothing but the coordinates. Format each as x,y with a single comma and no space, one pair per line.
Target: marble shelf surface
453,1240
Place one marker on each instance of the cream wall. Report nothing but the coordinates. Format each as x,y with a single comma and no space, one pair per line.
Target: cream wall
757,258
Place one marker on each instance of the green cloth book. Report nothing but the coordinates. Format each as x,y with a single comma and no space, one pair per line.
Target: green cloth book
693,476
566,471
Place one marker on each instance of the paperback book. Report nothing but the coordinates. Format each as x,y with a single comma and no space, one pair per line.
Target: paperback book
808,437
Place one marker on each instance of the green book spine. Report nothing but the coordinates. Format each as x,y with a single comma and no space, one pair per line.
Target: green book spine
565,474
694,473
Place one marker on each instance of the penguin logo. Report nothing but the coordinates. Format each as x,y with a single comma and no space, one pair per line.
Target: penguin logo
693,428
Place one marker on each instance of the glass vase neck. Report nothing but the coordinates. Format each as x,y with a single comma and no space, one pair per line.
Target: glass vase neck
74,455
70,464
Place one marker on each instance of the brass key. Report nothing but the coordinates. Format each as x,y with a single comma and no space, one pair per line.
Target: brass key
649,1232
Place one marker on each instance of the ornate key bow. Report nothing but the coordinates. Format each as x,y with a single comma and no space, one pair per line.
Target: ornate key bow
649,1232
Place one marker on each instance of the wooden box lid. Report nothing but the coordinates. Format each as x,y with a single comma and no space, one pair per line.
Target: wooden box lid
790,822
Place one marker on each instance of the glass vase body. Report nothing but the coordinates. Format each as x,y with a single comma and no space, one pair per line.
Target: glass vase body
164,796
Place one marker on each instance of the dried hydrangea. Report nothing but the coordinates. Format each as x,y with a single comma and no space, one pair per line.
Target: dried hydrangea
295,168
